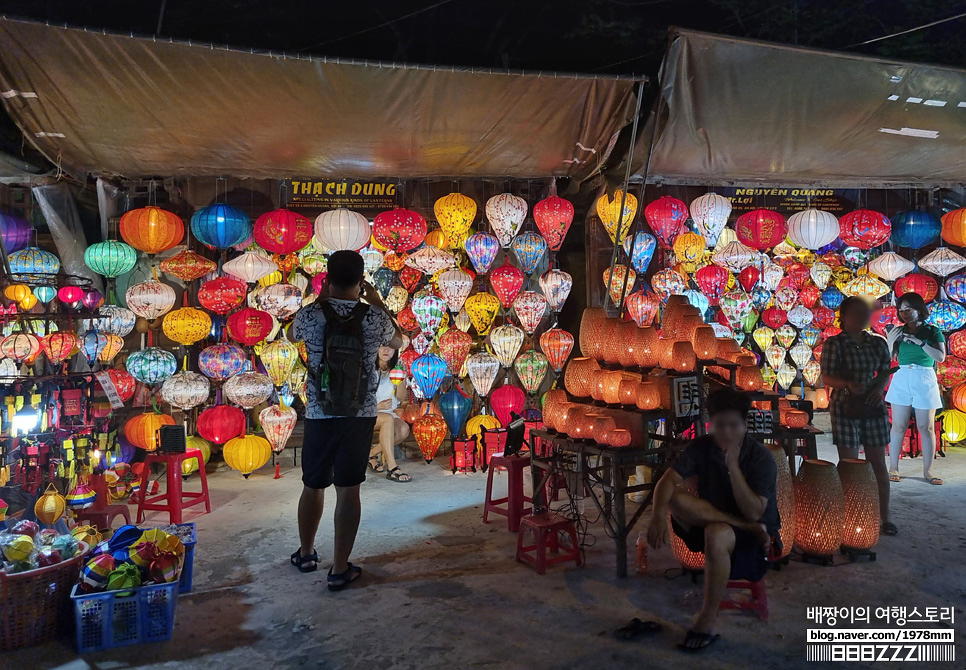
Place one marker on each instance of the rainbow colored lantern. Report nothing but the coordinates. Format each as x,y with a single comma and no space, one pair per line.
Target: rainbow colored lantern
111,258
506,213
221,361
553,217
481,249
151,229
529,249
151,365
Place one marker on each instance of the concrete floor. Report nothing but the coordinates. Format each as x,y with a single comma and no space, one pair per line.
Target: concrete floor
441,590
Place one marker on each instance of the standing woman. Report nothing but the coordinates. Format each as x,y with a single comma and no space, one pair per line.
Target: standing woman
855,365
914,387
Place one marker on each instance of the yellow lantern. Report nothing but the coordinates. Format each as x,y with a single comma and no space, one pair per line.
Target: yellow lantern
954,425
475,426
437,238
396,299
28,302
190,465
270,279
764,336
620,284
186,325
279,357
455,213
111,349
482,309
689,247
16,292
608,210
247,454
50,506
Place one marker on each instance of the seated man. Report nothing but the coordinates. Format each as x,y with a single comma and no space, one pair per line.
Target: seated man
733,519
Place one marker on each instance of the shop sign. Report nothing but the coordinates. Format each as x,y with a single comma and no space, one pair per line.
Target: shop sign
686,396
356,194
787,201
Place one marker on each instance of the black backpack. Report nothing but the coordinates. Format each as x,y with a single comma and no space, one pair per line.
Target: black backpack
344,373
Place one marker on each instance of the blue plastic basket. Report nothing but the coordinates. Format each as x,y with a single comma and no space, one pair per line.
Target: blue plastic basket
119,618
184,583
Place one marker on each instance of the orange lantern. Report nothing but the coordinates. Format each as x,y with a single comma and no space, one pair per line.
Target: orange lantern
646,347
958,397
602,425
151,229
861,527
437,239
691,560
141,431
429,431
573,419
704,342
819,508
557,417
795,418
748,378
619,437
727,348
623,340
665,353
607,348
591,323
628,391
577,378
111,348
598,380
612,386
58,346
682,357
552,398
648,396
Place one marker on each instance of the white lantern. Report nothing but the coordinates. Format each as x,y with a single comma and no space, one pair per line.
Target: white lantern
247,389
800,316
150,299
890,266
735,256
725,237
786,375
372,259
455,286
250,266
112,319
482,369
185,390
430,260
801,353
396,299
771,275
280,300
812,228
340,229
506,342
943,262
506,213
820,273
710,213
555,285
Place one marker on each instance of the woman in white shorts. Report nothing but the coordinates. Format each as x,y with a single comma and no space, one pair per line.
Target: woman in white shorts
392,430
914,387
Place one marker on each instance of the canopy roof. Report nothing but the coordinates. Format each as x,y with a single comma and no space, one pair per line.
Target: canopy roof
737,111
98,103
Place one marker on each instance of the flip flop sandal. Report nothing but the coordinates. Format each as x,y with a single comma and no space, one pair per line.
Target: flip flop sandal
396,475
704,641
298,560
636,628
340,581
889,528
894,477
935,481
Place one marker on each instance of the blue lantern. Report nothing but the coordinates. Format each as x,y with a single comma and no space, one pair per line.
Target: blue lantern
832,297
92,345
382,279
760,297
834,245
482,249
428,371
529,249
698,299
33,260
16,232
45,293
956,287
947,315
221,226
810,335
455,407
642,251
915,228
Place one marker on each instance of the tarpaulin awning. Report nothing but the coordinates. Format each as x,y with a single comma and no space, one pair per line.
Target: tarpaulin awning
734,110
98,103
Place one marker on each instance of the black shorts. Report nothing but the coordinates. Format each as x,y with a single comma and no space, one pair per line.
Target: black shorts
336,451
747,561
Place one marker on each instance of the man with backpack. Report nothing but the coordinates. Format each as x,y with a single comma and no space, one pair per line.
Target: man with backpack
342,336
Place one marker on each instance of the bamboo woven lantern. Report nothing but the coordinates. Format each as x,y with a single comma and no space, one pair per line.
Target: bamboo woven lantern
584,429
551,398
683,358
746,359
646,347
577,378
691,560
861,493
748,378
598,381
665,353
727,348
573,420
619,437
591,322
785,493
625,334
628,391
612,385
557,419
704,342
602,425
648,396
609,347
819,508
796,418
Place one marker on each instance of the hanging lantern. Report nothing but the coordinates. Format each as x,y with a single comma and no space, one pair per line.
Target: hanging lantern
917,283
430,260
482,248
812,372
410,278
482,369
764,336
92,300
49,508
150,299
713,280
748,278
247,389
506,213
531,368
557,345
642,307
786,375
800,316
915,229
735,305
454,347
482,309
110,258
222,295
142,430
221,361
668,282
942,262
399,230
801,354
428,371
775,355
608,211
282,231
761,229
812,228
553,216
556,285
641,249
251,266
455,286
15,231
221,226
221,423
507,280
429,311
529,308
187,266
112,347
151,229
43,293
281,300
505,341
953,227
186,325
620,283
820,274
185,390
249,326
689,247
123,383
455,407
734,256
429,431
667,217
279,358
710,213
278,421
506,401
891,266
341,229
785,335
152,365
397,298
58,346
866,285
864,229
247,453
947,315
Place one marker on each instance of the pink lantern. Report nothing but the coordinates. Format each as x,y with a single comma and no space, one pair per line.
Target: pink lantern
278,421
530,307
507,400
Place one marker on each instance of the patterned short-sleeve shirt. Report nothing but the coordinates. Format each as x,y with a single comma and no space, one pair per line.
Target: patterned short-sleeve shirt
309,326
844,358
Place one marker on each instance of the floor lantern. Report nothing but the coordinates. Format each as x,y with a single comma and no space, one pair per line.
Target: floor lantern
785,493
819,510
577,377
693,561
860,531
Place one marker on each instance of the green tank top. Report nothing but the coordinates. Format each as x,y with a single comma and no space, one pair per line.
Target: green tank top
913,354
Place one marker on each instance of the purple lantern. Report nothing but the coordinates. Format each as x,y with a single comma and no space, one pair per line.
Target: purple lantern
221,361
15,231
482,249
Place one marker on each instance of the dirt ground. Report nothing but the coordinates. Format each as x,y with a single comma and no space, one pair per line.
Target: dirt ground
442,590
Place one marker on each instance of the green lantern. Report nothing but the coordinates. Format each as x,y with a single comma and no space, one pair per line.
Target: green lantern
111,258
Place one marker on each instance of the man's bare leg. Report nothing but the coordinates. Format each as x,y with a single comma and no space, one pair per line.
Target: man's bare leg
719,544
348,511
309,516
691,510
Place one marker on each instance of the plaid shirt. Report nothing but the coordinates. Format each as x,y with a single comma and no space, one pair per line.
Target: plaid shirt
844,358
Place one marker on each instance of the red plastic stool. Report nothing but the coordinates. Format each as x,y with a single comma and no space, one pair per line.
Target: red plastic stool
547,529
513,505
173,500
757,603
101,515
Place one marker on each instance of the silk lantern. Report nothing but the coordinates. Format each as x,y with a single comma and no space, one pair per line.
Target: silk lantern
429,431
141,430
619,283
819,508
507,280
221,226
531,368
33,261
249,326
915,228
482,369
505,341
482,309
151,229
278,421
953,227
151,365
186,325
221,361
399,230
667,217
761,229
734,256
454,346
282,231
15,231
428,371
529,308
710,213
891,266
282,300
430,260
455,213
641,249
689,247
454,287
58,346
221,423
150,299
247,453
248,389
529,249
48,509
556,285
917,283
187,265
185,390
455,407
947,315
942,262
610,214
279,357
110,258
222,294
642,306
553,217
429,311
864,228
812,228
341,229
713,280
481,249
506,401
557,345
250,267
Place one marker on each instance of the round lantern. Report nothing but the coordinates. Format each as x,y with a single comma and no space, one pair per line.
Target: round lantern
221,226
481,249
247,453
341,229
864,228
689,247
15,231
553,216
430,260
529,308
454,347
819,508
667,217
748,378
956,344
954,425
249,326
507,280
221,361
429,431
891,266
187,265
761,229
142,430
16,292
734,256
150,299
915,228
186,325
505,341
812,228
33,260
953,227
428,371
476,425
531,368
557,345
482,369
506,401
251,266
506,213
222,294
399,230
947,315
221,423
710,213
185,390
282,231
942,262
123,383
50,507
112,348
191,465
151,229
577,377
247,389
152,365
110,258
278,421
860,529
282,300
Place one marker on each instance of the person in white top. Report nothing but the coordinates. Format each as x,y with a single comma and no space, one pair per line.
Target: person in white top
392,430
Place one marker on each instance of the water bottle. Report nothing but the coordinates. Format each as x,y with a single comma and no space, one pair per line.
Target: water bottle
640,560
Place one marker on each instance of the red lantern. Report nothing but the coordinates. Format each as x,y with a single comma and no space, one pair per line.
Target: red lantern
642,307
282,231
123,382
713,280
407,357
951,371
553,216
667,217
774,317
823,317
956,344
881,318
916,283
407,319
507,400
409,277
831,331
557,345
429,431
748,278
187,265
221,423
864,228
799,274
507,280
809,295
399,230
454,347
58,346
761,229
70,294
222,295
249,326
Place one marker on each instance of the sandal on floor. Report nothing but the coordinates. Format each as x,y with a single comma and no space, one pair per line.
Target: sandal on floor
695,641
298,560
340,581
636,628
888,528
378,467
396,475
894,477
935,481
